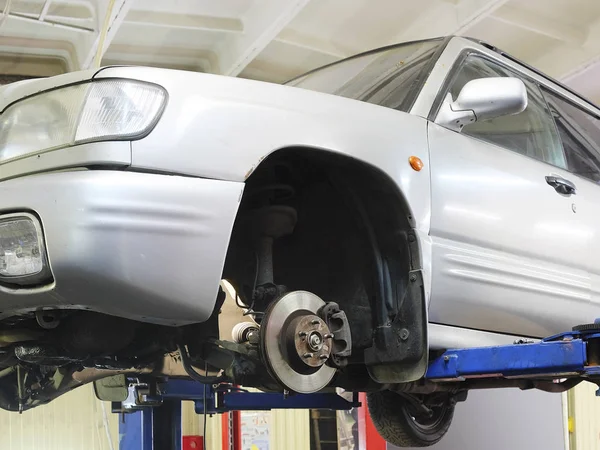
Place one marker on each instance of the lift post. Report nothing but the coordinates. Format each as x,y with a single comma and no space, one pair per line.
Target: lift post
153,420
152,428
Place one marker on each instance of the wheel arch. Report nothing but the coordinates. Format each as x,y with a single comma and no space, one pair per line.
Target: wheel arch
397,199
329,154
387,222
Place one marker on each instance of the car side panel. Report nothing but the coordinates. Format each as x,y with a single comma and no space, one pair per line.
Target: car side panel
509,254
586,202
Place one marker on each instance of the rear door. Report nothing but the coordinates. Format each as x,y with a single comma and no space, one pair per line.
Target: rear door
509,250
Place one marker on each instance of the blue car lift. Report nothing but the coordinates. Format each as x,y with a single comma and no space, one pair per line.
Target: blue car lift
159,427
571,356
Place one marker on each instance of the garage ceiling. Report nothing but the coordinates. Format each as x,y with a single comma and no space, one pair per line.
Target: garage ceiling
275,40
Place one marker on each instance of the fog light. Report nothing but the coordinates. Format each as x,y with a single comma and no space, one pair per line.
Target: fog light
22,252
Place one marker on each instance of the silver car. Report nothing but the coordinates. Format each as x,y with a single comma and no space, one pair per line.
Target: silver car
366,215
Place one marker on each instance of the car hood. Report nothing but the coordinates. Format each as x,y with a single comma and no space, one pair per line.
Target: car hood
12,92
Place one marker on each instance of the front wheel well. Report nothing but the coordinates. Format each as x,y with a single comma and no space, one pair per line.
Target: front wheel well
353,242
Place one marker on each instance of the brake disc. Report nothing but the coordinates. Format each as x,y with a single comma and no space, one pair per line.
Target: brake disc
296,343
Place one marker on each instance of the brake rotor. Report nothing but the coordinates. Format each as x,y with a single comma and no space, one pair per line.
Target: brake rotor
296,343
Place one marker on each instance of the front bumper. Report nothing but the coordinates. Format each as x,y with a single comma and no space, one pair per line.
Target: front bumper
142,246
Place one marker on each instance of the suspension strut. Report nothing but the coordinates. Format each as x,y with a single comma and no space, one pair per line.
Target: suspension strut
270,222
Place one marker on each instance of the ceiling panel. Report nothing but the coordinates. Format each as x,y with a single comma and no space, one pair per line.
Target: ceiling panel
280,62
561,37
219,8
357,25
137,34
587,83
574,12
510,38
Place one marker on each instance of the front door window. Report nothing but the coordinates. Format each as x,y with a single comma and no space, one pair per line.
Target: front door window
531,133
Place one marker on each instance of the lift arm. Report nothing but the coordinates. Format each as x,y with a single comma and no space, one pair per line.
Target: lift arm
567,355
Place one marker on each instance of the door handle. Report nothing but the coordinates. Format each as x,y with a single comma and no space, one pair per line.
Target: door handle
561,185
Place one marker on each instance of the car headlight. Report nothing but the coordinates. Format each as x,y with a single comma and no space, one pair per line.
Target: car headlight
23,258
99,110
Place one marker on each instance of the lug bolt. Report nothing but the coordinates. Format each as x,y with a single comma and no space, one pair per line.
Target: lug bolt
328,336
315,322
323,357
308,355
302,334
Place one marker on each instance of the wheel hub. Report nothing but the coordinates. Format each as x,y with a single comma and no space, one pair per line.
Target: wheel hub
296,343
309,334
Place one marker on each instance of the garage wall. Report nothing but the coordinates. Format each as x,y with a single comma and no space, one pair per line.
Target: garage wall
506,419
16,67
585,411
290,430
74,421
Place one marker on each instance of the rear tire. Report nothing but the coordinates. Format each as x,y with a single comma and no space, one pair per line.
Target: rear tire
393,419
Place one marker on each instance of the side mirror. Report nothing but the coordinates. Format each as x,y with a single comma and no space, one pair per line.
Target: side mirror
483,99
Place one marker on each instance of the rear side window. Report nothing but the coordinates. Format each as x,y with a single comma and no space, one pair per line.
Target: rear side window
390,77
580,135
531,133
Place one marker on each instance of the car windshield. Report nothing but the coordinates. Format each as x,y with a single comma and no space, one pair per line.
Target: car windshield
390,77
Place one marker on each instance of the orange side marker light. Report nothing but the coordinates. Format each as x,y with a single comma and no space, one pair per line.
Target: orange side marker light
416,163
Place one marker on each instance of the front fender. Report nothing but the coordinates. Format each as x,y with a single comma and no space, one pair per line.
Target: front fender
222,128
